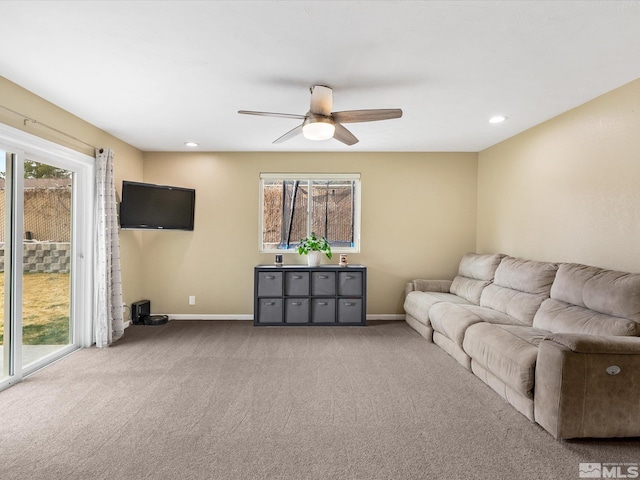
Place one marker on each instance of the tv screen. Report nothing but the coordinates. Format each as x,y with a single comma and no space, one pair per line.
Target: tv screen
156,207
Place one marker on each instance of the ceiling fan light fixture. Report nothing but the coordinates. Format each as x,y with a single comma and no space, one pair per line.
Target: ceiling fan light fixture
322,123
318,128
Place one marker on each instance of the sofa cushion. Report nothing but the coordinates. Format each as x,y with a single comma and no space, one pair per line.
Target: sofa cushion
417,304
519,288
452,320
509,352
475,272
605,291
469,288
526,275
561,317
490,315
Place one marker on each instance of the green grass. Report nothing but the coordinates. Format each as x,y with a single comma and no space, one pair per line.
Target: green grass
45,309
54,332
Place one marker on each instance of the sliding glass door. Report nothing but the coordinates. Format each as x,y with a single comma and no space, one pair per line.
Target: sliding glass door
45,207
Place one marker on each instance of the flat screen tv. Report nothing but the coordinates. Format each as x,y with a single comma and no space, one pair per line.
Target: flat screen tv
156,207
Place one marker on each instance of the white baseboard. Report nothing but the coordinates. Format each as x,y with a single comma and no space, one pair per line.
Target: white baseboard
215,316
386,316
209,316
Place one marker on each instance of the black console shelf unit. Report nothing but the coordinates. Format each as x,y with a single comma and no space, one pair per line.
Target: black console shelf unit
327,295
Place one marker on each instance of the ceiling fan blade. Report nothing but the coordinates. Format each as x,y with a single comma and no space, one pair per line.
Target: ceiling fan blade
272,114
354,116
344,135
321,100
290,134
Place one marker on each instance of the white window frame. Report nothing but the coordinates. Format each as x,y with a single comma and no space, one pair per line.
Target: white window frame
351,177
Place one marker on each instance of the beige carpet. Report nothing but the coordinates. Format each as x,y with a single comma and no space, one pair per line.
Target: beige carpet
225,400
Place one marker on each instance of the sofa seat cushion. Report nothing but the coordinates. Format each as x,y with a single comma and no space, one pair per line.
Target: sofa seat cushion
452,320
417,304
509,352
561,317
519,288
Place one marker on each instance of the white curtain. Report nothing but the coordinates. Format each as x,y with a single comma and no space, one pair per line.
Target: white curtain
108,307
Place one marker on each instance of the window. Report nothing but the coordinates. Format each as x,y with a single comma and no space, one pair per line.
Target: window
292,206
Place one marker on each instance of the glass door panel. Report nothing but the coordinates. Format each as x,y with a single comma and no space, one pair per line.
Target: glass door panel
46,277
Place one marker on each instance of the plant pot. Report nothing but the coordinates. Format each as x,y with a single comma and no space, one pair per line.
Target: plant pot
314,258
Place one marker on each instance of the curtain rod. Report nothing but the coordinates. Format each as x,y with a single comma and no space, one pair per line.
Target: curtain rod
26,118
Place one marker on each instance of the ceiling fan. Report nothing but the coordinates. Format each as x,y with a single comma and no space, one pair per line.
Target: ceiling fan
320,123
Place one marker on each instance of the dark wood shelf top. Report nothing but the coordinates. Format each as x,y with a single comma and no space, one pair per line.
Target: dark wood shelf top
321,267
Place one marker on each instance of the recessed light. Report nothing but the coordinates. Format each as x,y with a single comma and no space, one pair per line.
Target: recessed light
191,144
497,119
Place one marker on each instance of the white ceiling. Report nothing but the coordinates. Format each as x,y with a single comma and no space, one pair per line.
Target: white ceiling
156,74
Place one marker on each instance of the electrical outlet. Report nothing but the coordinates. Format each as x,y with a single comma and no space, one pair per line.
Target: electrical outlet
192,299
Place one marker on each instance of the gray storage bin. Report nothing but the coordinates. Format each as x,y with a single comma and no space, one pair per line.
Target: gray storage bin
350,283
296,310
323,310
296,283
323,283
350,310
270,284
270,310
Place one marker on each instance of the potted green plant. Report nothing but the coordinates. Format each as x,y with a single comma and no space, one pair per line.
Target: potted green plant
314,247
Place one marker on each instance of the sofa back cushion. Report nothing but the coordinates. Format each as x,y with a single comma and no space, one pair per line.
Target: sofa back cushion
561,317
604,291
519,288
592,300
475,272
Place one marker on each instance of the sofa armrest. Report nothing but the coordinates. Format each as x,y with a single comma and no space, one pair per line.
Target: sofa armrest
582,343
419,285
587,386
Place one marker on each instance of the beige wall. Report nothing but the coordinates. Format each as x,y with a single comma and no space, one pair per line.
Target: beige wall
128,160
565,190
568,189
418,219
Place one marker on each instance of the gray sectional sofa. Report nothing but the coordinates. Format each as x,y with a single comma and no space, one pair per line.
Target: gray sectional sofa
560,342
